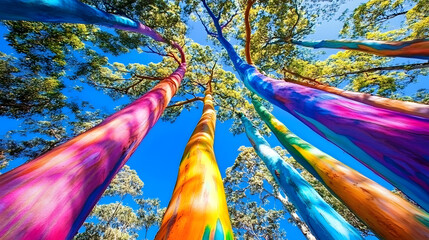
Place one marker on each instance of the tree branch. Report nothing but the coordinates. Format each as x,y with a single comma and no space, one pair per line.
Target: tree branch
205,27
158,52
148,77
248,30
229,21
215,19
172,55
383,19
295,25
209,83
186,102
295,218
127,89
114,212
406,67
313,80
220,12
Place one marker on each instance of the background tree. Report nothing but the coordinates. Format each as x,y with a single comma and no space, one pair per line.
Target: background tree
149,213
118,220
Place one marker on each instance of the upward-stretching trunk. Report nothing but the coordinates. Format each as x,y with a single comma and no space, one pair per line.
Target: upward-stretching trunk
324,222
376,206
51,196
410,49
393,144
70,11
197,209
410,108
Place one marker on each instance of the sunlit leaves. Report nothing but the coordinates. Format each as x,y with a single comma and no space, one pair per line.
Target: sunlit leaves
377,16
126,182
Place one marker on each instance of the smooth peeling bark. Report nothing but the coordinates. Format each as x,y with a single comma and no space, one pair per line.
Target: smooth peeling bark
197,209
386,214
324,222
410,49
70,11
392,144
51,196
410,108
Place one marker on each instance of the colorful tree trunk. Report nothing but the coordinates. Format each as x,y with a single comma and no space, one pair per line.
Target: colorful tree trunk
197,209
410,108
410,49
51,196
324,222
386,214
391,143
69,11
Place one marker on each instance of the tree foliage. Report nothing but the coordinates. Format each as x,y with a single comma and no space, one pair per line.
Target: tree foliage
117,220
251,192
383,20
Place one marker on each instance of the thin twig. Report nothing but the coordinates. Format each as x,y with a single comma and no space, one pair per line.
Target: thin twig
186,102
205,27
407,67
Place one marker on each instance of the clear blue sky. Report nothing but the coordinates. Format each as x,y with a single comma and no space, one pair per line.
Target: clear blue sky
157,158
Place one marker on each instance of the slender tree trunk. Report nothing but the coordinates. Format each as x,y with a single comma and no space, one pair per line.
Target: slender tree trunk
114,212
198,203
418,48
248,31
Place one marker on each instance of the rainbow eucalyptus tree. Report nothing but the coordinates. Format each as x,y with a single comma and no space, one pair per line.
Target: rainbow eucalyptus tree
372,203
409,49
416,48
248,178
84,166
82,169
391,143
272,52
197,208
323,221
53,62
